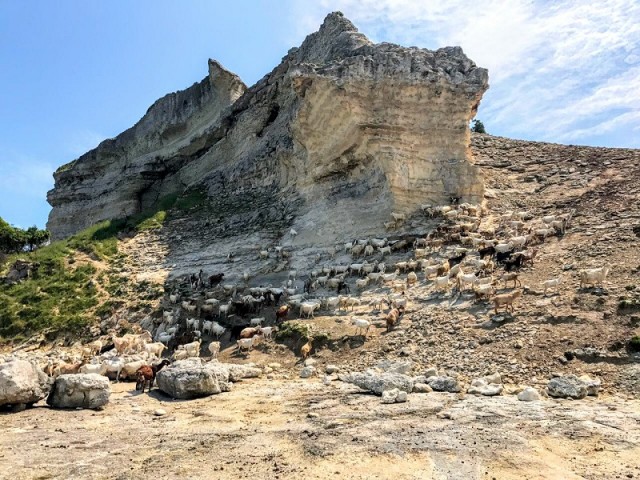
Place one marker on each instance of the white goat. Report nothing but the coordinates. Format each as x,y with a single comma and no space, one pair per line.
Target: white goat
593,276
362,326
553,283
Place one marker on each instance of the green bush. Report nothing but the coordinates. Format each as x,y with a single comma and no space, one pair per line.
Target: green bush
293,330
478,127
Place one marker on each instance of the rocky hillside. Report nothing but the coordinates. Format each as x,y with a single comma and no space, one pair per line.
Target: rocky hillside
340,126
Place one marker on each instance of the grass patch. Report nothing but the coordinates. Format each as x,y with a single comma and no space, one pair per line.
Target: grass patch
56,298
62,296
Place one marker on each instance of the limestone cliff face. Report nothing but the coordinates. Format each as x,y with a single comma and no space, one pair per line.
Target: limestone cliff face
126,174
341,125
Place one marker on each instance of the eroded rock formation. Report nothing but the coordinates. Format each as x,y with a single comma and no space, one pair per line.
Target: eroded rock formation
339,126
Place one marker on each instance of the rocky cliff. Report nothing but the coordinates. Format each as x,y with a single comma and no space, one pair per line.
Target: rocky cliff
341,125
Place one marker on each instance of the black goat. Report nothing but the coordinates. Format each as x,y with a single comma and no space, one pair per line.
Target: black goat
487,252
456,260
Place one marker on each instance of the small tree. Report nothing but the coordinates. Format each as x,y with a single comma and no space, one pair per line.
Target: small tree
478,127
14,240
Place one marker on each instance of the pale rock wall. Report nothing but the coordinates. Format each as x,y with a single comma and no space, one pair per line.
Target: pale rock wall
127,174
340,127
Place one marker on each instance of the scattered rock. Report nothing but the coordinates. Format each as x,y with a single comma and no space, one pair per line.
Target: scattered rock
81,390
431,372
310,362
378,383
394,396
593,385
444,384
422,388
529,394
480,386
567,387
307,372
330,369
238,372
159,412
390,366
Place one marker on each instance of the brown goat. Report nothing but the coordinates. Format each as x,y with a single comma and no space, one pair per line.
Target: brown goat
511,277
392,318
306,348
506,299
146,374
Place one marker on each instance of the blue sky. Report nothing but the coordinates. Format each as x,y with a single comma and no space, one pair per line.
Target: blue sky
73,73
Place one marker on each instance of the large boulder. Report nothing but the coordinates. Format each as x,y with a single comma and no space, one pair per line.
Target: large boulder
567,387
378,383
192,378
81,390
22,384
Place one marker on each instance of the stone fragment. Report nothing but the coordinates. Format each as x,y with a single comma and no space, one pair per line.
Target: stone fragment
81,390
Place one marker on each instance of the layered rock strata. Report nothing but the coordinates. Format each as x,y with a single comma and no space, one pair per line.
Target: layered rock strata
339,126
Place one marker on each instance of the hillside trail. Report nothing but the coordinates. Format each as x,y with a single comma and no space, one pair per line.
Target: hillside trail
286,428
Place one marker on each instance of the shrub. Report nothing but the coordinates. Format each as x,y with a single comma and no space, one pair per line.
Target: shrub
478,127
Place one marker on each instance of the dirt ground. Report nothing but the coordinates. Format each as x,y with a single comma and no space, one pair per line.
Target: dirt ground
290,428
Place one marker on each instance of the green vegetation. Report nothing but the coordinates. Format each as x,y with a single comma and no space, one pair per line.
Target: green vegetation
66,293
293,330
56,297
625,303
478,127
61,293
634,344
65,167
13,239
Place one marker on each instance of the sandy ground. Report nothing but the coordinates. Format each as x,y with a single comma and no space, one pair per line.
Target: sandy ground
288,428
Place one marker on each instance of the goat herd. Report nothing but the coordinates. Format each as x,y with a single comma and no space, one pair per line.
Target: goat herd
467,252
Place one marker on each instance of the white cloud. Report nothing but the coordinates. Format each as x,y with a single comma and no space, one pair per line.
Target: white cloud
562,69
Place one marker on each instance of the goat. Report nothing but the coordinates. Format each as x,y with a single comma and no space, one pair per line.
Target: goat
392,318
214,349
245,344
146,375
553,283
511,277
412,278
361,325
307,308
593,276
506,299
282,312
305,350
